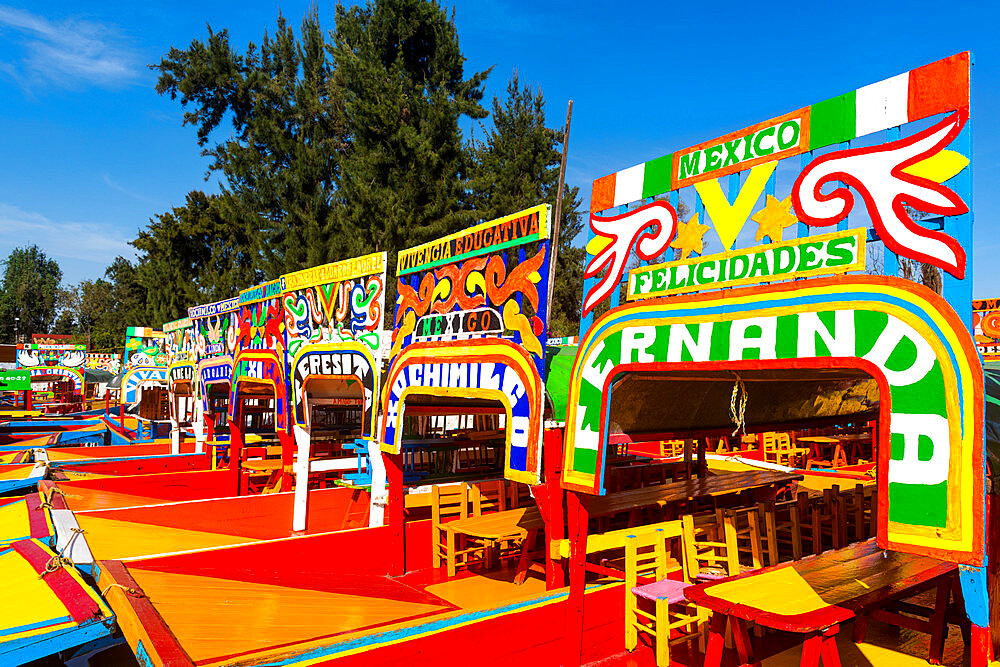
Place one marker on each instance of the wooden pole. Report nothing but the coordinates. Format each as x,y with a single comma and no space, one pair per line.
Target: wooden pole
554,252
555,529
578,509
395,510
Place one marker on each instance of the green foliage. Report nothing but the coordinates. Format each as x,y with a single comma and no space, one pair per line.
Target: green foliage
190,255
517,166
30,284
403,175
342,143
338,149
129,296
280,163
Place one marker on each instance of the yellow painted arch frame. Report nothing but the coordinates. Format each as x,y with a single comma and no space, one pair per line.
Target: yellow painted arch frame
926,313
468,353
346,347
201,387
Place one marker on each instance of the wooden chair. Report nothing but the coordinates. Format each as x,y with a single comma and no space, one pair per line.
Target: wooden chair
755,535
787,527
489,496
859,510
769,444
823,520
778,448
646,560
710,546
449,502
722,446
671,448
474,457
519,495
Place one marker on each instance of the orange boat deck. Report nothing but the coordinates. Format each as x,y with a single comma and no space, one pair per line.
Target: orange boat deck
232,615
132,532
221,619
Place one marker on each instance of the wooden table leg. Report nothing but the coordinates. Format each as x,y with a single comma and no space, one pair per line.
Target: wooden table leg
811,651
958,607
743,646
828,650
716,640
524,560
939,620
839,457
450,554
860,628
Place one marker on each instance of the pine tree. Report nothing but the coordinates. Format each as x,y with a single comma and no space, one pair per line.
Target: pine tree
517,166
190,255
129,298
280,164
403,176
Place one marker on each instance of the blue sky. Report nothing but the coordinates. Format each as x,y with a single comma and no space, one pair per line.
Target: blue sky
90,152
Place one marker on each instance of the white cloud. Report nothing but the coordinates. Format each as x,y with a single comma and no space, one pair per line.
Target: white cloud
69,52
118,187
87,241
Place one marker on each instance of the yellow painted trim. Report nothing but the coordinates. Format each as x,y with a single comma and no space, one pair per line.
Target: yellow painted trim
543,233
952,537
346,346
860,234
366,265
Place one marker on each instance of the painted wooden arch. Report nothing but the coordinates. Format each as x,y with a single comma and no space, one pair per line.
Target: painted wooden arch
487,368
215,370
908,338
261,367
349,361
74,374
180,373
137,376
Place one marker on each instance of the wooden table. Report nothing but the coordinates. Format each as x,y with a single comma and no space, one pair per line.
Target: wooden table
816,443
523,523
813,596
673,492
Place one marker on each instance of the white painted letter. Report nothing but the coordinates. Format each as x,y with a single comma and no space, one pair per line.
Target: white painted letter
638,340
840,343
887,343
591,373
766,342
910,469
680,338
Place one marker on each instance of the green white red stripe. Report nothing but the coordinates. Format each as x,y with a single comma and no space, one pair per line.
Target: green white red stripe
939,87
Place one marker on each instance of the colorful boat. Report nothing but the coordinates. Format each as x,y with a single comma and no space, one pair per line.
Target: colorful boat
500,532
58,385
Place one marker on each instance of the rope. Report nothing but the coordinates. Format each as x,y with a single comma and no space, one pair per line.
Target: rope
60,560
738,413
55,564
128,591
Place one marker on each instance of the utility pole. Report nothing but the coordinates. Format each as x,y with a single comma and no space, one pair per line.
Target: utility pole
554,254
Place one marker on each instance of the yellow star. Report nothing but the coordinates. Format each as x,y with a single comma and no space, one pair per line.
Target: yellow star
689,237
774,218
